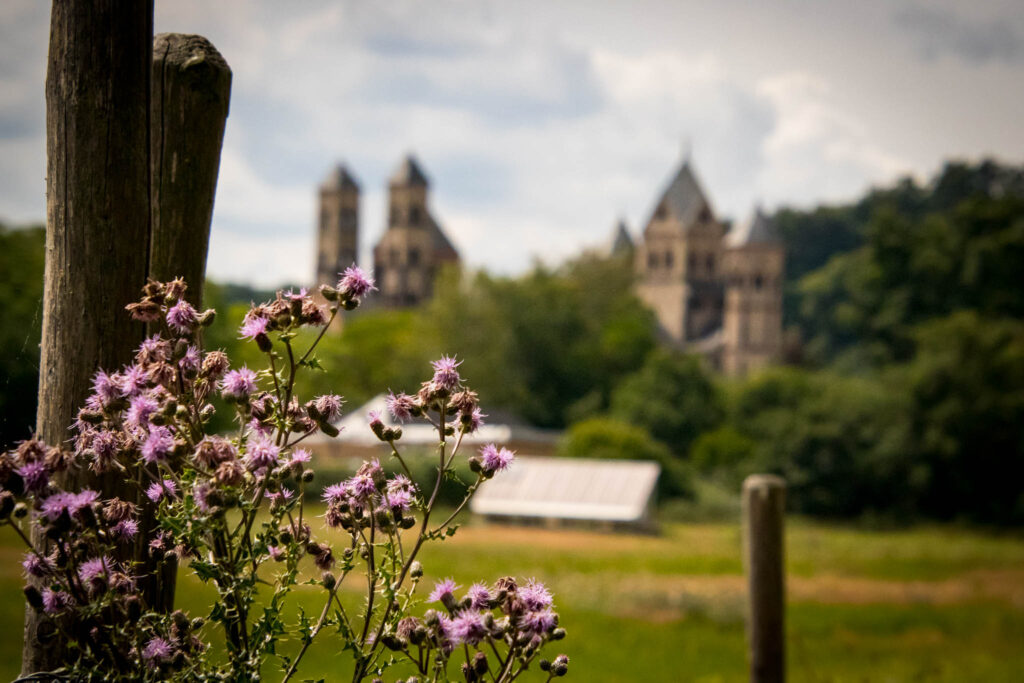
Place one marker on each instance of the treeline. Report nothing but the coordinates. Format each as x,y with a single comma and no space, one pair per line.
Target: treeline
904,397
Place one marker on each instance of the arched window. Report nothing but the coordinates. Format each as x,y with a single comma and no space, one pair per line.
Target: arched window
758,281
668,259
652,260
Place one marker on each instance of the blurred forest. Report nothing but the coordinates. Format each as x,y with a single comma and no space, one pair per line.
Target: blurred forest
902,398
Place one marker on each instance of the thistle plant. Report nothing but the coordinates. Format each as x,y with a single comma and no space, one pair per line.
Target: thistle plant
232,509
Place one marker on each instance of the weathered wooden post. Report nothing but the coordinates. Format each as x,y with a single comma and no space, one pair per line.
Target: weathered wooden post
191,91
189,109
764,503
97,217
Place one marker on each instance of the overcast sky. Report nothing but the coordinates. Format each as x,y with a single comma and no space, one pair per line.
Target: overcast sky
540,123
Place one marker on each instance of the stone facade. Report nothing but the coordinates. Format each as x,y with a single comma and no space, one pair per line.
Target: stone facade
714,291
409,254
413,248
338,234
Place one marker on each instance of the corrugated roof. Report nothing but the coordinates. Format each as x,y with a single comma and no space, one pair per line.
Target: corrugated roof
409,173
570,488
355,429
758,229
684,197
339,178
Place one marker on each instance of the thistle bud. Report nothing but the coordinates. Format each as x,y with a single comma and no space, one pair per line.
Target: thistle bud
328,429
480,663
329,580
329,293
134,607
263,342
391,642
307,476
416,569
20,511
207,317
560,666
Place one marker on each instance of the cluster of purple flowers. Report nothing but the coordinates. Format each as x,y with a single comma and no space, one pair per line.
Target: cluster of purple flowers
147,423
520,618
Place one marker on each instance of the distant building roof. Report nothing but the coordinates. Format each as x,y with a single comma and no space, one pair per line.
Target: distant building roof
570,488
339,178
355,430
684,197
409,173
621,240
759,229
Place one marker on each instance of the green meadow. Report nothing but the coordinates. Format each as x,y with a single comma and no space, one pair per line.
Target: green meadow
924,604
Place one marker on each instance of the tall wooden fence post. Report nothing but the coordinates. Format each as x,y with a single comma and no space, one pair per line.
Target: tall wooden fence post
764,503
189,109
191,92
97,218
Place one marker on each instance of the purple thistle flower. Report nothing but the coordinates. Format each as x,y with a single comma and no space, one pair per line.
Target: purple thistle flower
399,500
71,503
299,456
239,383
133,380
261,455
151,350
400,482
479,596
139,410
126,530
94,573
34,475
329,406
355,283
55,602
279,497
201,495
275,552
36,566
400,406
362,486
446,374
105,447
374,419
191,361
106,387
158,445
535,595
335,493
495,459
443,590
182,318
157,651
159,490
260,428
539,622
468,627
474,422
253,325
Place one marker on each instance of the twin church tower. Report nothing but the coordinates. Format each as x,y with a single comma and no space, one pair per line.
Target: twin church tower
408,255
715,288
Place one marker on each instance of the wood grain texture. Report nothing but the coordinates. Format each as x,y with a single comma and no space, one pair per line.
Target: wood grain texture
191,93
97,216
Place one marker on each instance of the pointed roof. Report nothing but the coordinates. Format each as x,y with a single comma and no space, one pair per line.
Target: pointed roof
340,178
621,240
759,229
684,197
409,173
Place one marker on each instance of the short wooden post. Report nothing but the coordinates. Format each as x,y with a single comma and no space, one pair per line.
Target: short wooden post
97,220
764,502
191,92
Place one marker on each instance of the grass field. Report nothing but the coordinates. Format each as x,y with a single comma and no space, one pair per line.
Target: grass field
926,604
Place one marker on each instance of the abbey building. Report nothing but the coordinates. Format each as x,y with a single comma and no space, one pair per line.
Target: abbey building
716,289
408,255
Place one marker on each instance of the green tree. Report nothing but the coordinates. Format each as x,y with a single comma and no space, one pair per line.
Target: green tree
671,396
21,314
